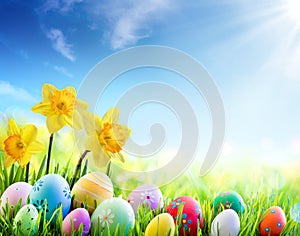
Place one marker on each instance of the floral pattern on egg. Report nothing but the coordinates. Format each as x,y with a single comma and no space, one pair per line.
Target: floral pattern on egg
38,185
146,194
112,215
67,192
106,217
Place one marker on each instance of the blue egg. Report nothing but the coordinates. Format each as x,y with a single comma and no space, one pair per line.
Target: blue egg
51,190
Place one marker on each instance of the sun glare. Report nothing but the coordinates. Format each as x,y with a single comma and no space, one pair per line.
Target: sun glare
293,7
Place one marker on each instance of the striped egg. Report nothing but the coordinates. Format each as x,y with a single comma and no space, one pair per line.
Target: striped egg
92,189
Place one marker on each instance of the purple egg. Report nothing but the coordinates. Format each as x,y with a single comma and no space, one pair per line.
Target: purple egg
78,216
13,194
146,194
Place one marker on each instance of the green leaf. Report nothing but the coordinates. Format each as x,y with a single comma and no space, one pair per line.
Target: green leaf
41,169
11,174
19,176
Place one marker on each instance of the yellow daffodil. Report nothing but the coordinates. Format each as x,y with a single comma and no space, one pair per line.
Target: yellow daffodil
105,137
61,108
20,144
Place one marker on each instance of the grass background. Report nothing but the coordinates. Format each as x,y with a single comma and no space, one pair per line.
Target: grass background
258,189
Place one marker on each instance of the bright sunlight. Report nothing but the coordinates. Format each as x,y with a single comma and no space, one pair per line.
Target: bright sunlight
293,7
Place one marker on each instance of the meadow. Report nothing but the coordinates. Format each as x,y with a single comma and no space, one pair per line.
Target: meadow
255,188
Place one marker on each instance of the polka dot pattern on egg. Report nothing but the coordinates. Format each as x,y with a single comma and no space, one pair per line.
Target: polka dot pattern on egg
272,222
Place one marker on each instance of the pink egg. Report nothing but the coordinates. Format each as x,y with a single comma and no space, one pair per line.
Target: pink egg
13,194
146,194
77,217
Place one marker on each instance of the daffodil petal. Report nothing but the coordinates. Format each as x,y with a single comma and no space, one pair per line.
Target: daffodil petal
8,161
99,159
12,128
2,139
81,105
92,143
43,108
35,147
111,116
73,119
55,123
24,160
91,122
28,133
47,91
68,119
77,121
87,119
71,90
97,123
120,157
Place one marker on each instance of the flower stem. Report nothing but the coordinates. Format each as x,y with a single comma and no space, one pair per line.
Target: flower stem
27,172
78,167
49,153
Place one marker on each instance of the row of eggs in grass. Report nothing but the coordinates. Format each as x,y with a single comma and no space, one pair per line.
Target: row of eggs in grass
94,192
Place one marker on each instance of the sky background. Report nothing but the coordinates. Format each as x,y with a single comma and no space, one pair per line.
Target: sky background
250,48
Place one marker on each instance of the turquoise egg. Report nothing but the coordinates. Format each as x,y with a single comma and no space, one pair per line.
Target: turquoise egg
49,192
111,216
229,200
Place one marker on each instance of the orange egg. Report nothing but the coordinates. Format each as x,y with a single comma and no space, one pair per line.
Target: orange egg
91,189
272,222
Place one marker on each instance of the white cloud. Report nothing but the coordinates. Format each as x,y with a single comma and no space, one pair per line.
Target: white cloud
131,21
59,43
7,89
62,6
63,70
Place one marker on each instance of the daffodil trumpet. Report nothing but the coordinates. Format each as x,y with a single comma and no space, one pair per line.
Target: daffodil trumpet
78,166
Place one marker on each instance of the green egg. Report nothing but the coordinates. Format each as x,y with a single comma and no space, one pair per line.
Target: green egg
25,220
229,200
113,216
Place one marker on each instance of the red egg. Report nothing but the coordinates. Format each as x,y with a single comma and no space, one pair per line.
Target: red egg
272,222
191,215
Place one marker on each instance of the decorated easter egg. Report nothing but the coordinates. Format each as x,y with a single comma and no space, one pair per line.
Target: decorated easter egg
13,194
226,223
146,194
113,214
91,189
229,200
191,214
77,217
25,220
162,224
272,222
49,192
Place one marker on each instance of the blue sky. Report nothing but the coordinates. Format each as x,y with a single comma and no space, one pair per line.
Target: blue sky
251,49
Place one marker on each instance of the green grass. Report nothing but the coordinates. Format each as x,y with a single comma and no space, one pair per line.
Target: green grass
257,194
